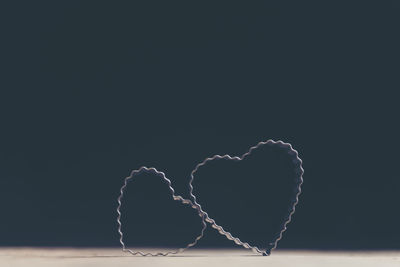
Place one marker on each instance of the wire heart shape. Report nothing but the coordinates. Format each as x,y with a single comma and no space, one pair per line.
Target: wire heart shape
174,197
299,171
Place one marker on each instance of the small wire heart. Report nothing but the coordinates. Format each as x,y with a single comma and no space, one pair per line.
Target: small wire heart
174,197
299,171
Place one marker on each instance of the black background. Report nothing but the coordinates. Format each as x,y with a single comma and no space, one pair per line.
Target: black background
92,89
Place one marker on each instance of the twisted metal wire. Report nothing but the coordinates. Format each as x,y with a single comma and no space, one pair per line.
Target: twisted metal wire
299,172
175,197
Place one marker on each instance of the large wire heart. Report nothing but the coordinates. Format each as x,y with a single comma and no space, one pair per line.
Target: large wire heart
298,182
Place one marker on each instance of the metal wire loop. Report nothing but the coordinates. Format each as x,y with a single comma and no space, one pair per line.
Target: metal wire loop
175,197
299,179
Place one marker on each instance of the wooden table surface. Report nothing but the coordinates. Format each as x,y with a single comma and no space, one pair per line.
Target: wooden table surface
60,257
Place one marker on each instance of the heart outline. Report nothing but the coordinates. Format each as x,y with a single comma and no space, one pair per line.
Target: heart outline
298,170
153,170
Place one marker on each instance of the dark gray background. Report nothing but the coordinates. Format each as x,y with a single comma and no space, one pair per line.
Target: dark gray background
93,89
